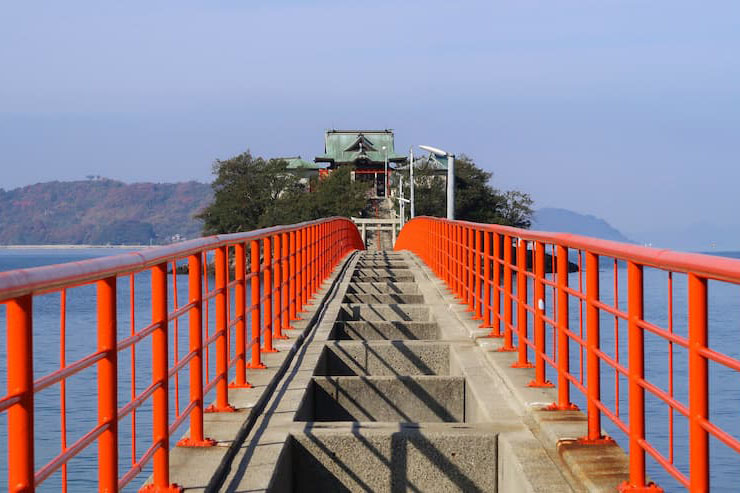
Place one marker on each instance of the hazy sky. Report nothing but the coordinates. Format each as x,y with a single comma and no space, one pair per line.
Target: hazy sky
629,110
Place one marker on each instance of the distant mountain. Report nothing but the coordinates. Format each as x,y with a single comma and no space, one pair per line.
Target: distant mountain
566,221
101,211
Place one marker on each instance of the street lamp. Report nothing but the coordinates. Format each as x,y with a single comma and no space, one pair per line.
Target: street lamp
385,178
411,179
450,178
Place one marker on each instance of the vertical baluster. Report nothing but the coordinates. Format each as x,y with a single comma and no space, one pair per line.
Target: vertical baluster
636,361
267,290
698,385
521,305
108,385
240,302
255,316
20,382
160,397
540,379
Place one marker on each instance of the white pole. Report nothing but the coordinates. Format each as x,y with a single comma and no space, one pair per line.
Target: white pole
400,197
385,181
450,186
411,158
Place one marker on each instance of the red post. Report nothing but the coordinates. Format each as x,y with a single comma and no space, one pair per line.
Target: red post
496,265
468,268
486,280
160,408
267,290
539,321
107,386
240,294
285,282
222,347
477,309
293,275
521,304
277,329
698,385
593,375
508,315
563,339
636,359
304,268
195,294
20,382
256,362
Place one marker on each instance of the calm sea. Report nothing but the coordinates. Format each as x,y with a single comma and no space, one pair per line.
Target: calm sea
724,318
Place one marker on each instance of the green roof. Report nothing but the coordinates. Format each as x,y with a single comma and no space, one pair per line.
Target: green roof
298,163
350,146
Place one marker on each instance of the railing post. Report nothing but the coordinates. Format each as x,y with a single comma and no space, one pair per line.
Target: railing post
508,315
593,363
698,385
540,379
521,304
477,309
314,258
160,397
267,290
222,348
304,268
195,294
256,362
563,360
240,295
496,265
108,385
486,280
20,383
636,362
292,281
277,289
460,256
468,268
285,282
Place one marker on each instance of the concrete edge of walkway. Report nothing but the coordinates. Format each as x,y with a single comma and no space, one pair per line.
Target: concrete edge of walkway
205,468
598,467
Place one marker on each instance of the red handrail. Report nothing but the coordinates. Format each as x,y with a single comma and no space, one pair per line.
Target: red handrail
452,249
321,246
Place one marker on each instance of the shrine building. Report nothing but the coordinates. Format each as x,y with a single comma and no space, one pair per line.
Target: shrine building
367,151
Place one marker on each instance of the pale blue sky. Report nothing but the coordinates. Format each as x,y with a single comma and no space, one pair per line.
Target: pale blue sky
629,110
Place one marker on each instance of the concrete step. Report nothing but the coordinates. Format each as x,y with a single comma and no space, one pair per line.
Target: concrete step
383,298
384,329
392,358
381,272
416,399
399,458
381,264
383,288
375,312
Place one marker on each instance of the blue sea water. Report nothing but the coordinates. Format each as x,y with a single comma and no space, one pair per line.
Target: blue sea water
81,390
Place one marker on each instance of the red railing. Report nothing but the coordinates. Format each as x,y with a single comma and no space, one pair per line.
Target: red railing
287,266
480,263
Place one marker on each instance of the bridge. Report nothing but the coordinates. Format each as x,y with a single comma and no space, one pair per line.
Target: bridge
471,357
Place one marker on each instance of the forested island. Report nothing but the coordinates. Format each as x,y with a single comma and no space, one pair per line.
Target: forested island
100,211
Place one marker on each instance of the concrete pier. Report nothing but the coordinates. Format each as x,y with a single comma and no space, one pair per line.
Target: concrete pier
389,385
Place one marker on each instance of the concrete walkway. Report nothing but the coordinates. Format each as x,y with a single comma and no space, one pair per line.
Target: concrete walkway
388,385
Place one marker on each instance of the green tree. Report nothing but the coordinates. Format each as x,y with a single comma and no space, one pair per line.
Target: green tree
244,189
475,199
251,193
334,195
